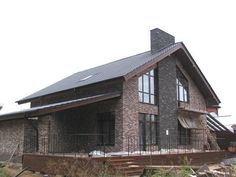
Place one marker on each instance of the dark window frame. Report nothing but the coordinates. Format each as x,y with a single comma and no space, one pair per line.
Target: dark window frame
182,88
152,121
148,91
184,135
106,118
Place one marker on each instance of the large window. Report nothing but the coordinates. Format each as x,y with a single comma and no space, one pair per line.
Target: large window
181,87
148,130
183,135
146,87
106,128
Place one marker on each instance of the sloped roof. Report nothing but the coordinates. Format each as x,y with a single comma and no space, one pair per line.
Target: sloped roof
127,68
42,110
104,72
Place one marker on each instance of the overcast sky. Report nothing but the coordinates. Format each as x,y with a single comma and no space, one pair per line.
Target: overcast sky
44,41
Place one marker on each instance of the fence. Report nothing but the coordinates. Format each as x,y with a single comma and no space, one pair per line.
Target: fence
66,143
168,145
96,144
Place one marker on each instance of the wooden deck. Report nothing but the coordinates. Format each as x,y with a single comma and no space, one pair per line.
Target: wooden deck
128,165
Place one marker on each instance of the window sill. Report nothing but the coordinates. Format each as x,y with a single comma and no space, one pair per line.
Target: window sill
148,104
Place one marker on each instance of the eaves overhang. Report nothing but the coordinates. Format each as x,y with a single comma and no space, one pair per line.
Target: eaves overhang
51,108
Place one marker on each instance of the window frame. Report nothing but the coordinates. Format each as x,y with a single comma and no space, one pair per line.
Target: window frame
147,96
145,120
102,120
182,87
184,135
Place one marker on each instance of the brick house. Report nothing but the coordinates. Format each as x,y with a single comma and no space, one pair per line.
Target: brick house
156,99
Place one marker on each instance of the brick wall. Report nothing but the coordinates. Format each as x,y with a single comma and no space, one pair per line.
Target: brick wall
168,101
196,99
196,102
11,135
131,109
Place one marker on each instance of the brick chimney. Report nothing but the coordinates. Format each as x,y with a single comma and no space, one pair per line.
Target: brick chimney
160,39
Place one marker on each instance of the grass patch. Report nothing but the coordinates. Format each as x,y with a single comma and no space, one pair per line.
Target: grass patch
3,173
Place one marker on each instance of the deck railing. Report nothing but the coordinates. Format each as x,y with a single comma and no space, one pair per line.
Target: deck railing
96,144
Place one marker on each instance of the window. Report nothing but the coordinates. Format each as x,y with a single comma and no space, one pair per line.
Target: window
146,87
148,130
183,135
181,87
106,128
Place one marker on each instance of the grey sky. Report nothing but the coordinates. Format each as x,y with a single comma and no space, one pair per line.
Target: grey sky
44,41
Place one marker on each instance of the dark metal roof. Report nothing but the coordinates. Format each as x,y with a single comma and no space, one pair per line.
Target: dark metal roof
105,72
46,109
128,67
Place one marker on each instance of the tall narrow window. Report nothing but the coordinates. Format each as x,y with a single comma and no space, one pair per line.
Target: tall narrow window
146,86
106,128
181,87
184,135
148,130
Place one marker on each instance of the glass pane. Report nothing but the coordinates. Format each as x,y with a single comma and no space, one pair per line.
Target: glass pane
146,83
181,93
185,95
147,117
152,87
140,83
141,131
152,99
152,72
152,118
141,117
177,89
146,98
140,95
148,132
153,133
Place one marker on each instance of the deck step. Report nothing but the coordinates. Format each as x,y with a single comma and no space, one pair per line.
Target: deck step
126,166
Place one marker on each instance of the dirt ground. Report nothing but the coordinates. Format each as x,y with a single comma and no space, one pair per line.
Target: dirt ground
10,170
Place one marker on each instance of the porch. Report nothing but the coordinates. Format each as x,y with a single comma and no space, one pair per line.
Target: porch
78,129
